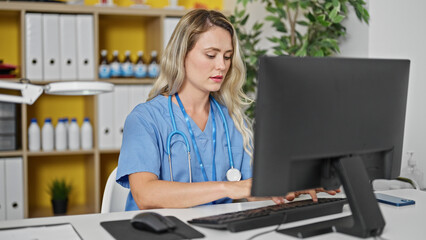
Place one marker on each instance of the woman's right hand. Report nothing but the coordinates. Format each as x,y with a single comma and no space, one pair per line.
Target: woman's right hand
238,190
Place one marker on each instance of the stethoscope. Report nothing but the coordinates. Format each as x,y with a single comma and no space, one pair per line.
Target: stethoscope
232,174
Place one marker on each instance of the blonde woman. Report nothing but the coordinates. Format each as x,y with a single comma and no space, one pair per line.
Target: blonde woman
189,144
194,114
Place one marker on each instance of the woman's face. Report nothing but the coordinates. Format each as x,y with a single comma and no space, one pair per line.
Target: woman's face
207,64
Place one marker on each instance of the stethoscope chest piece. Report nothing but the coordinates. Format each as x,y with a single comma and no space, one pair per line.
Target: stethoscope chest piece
233,175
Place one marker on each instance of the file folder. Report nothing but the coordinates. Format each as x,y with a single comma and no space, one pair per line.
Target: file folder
106,120
85,47
121,107
51,47
169,26
68,47
33,46
14,188
2,191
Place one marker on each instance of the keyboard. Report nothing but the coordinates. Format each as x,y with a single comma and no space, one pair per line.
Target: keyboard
271,215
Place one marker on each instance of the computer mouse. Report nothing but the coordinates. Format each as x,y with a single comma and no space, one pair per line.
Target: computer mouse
152,222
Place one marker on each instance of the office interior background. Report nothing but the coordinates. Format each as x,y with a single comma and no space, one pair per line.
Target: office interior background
395,31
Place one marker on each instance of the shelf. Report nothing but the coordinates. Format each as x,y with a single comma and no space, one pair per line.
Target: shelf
59,153
11,153
120,81
109,151
48,212
65,8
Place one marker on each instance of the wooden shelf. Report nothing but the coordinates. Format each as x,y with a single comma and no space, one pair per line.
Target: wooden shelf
66,8
109,151
48,212
61,153
123,81
11,153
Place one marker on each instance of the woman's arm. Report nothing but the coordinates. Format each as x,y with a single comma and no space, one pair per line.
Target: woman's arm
149,192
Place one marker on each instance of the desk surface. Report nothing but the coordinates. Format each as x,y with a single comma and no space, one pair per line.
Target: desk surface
401,222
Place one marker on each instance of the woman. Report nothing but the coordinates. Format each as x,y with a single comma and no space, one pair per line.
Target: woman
190,143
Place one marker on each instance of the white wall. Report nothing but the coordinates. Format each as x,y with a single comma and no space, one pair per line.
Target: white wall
397,31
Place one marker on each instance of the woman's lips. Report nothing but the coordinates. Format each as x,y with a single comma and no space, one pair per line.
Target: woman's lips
217,78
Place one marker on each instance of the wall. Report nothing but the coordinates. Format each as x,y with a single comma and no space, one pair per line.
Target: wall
397,31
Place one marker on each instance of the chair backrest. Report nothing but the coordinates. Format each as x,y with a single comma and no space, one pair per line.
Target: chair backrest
115,196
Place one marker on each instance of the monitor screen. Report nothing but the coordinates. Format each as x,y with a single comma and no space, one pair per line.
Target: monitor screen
313,112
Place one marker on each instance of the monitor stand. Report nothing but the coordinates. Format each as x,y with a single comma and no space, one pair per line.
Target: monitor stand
366,220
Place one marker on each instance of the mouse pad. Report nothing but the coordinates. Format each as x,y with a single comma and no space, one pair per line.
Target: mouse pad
122,229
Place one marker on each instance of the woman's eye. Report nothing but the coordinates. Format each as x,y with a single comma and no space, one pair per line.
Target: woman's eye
227,58
211,56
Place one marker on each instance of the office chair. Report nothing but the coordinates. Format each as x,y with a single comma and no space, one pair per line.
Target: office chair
115,196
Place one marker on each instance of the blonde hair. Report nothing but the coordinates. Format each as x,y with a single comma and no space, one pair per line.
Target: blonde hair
172,72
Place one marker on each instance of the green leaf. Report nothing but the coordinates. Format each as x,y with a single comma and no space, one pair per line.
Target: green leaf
311,17
338,18
318,53
303,23
333,14
294,5
272,18
243,22
257,26
271,9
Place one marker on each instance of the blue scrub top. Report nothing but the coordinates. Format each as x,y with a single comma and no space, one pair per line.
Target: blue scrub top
145,144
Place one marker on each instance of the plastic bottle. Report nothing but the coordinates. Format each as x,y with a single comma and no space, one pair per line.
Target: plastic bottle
74,135
153,68
66,122
60,135
47,135
115,65
140,70
413,172
86,134
127,65
104,69
34,136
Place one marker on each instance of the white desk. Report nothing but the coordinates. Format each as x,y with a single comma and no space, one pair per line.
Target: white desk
407,222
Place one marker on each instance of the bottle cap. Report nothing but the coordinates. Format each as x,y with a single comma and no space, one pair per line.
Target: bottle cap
154,53
115,53
127,53
34,120
140,53
48,120
73,120
86,119
104,52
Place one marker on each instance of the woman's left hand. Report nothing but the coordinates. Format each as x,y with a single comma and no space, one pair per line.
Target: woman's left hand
313,192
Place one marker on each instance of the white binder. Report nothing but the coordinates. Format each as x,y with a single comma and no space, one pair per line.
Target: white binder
85,47
33,46
68,46
2,191
51,52
136,96
14,188
169,26
106,120
121,107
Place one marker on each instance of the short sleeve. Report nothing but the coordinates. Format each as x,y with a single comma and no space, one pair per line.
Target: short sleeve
139,150
246,168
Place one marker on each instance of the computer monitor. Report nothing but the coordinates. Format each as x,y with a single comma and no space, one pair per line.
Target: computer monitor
326,122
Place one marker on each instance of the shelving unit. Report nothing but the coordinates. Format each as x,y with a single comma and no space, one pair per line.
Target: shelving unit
115,28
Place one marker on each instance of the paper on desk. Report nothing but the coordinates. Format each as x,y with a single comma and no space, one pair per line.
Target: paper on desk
63,232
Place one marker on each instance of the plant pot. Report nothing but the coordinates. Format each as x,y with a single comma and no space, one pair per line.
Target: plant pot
59,206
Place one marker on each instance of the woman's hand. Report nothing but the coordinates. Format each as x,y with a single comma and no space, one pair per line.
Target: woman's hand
238,190
313,192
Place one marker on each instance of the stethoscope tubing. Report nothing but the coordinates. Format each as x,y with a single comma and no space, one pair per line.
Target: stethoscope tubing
177,132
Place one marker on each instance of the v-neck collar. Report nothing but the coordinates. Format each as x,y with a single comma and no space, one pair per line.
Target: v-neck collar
178,113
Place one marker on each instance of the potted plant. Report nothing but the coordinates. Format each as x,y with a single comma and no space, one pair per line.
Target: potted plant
303,28
59,191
